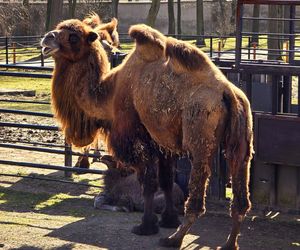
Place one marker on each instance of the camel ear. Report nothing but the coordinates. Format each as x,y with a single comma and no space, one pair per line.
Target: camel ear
92,36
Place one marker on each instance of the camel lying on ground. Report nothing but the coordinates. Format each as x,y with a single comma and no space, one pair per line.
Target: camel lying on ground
166,98
123,192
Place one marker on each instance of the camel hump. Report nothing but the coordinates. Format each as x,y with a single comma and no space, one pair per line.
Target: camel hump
184,56
150,43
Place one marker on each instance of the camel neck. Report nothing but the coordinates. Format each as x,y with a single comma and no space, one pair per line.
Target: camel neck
83,82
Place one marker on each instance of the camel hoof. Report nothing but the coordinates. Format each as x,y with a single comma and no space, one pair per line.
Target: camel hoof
145,229
226,247
169,220
170,242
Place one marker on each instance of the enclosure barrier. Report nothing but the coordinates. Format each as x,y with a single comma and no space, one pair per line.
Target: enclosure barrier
275,172
67,151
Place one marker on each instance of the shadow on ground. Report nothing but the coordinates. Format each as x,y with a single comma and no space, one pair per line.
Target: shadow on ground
39,215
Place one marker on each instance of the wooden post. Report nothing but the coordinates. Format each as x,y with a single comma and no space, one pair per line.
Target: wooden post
42,59
249,45
68,158
219,48
286,52
254,50
14,52
6,49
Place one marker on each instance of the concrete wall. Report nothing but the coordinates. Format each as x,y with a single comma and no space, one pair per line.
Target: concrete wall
136,12
12,19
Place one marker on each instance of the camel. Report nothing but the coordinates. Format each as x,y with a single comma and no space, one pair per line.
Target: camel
167,98
122,191
109,37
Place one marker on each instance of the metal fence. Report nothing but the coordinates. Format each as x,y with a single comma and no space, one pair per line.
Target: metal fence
26,50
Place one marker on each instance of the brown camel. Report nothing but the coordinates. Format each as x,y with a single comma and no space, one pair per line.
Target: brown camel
166,98
109,37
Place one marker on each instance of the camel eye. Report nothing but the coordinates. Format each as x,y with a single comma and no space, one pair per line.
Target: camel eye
73,39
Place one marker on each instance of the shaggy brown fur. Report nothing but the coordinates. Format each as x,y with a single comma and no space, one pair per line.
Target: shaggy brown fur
108,33
166,98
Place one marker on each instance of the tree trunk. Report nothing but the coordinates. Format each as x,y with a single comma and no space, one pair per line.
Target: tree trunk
54,13
171,16
153,11
255,23
48,14
233,14
179,18
115,4
26,3
72,8
274,27
200,23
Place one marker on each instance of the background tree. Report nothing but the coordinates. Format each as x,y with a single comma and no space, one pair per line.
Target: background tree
274,44
179,18
72,8
54,13
200,23
115,4
255,23
26,3
222,20
171,17
233,13
153,11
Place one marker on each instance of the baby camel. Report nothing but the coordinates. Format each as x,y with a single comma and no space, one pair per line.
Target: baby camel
166,98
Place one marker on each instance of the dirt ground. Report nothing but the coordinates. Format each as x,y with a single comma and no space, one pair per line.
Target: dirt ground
37,214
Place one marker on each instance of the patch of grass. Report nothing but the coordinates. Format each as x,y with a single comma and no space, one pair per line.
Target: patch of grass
20,200
52,201
21,54
41,86
229,193
60,203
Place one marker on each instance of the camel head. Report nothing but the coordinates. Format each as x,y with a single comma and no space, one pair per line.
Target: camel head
71,40
107,32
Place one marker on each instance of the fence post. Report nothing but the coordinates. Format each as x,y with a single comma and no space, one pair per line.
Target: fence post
249,48
68,158
219,48
254,50
6,49
42,59
211,47
14,52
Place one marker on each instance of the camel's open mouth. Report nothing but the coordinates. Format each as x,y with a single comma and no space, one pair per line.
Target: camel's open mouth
49,44
48,51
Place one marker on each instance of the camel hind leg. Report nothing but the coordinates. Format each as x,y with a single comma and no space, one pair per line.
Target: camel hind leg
240,168
195,204
200,137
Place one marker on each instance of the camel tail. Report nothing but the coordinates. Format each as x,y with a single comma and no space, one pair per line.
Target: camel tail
239,147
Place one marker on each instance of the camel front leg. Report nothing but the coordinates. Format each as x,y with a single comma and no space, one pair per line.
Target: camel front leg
148,179
169,217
